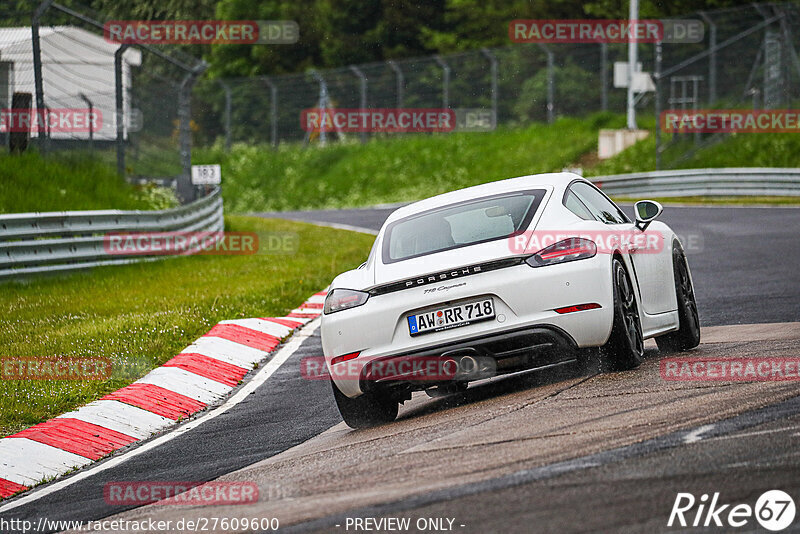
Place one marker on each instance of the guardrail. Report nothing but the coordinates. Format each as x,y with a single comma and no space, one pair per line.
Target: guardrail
699,182
32,243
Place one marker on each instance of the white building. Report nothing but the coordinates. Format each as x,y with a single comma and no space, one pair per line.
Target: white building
75,62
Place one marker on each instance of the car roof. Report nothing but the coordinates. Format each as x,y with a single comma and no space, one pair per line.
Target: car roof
554,180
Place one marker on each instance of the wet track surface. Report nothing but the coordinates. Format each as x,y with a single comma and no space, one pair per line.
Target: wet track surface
744,261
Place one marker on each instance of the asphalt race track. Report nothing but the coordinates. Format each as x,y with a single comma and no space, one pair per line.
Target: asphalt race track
550,451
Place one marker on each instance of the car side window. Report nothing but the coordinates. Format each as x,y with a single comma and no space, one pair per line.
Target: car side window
602,208
576,206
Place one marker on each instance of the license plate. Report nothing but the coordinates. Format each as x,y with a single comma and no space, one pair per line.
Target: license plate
451,317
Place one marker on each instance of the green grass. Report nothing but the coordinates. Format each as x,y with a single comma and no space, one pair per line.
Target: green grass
143,314
387,170
256,178
70,181
737,150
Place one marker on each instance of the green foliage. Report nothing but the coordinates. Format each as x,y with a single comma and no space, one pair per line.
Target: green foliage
335,33
750,150
737,150
575,92
70,181
256,178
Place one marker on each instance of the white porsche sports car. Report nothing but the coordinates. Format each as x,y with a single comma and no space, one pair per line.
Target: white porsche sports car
517,274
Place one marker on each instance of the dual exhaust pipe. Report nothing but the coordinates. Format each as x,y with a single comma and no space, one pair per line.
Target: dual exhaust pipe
467,365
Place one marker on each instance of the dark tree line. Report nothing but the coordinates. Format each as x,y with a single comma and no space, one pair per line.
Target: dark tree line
335,33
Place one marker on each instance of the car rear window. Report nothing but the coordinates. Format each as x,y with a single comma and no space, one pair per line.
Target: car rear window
460,225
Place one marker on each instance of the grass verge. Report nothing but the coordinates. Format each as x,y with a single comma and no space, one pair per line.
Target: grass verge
70,181
418,166
143,314
257,178
738,150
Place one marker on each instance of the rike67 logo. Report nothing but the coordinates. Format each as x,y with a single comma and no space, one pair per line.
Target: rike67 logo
774,510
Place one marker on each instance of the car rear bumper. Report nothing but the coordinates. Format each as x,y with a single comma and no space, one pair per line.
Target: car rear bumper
524,298
467,360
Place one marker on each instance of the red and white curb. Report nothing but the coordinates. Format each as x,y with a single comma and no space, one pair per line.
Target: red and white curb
205,372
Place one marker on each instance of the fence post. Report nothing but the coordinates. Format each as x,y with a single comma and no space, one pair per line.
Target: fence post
91,120
493,72
185,189
657,76
323,102
633,14
787,39
604,76
400,82
227,116
363,95
445,81
712,60
550,83
273,111
37,69
119,111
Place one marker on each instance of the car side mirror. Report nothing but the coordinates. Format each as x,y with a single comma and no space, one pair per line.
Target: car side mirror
646,212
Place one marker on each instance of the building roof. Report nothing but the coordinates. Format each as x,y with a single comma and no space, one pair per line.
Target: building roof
62,44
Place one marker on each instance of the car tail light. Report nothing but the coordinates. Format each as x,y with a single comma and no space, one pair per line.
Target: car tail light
578,307
344,357
574,248
343,299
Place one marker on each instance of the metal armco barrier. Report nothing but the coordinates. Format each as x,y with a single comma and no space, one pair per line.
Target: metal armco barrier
32,243
700,182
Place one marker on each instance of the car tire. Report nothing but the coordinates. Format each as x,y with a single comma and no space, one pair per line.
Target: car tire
624,349
365,411
688,334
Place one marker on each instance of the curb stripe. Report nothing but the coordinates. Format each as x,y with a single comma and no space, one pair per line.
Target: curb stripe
245,336
121,417
208,367
303,315
29,462
8,488
226,351
76,436
285,322
278,330
303,309
313,305
156,399
185,383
